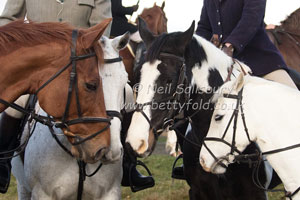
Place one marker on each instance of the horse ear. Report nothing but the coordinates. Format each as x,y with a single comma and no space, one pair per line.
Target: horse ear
145,33
93,34
154,4
187,36
239,83
163,5
120,42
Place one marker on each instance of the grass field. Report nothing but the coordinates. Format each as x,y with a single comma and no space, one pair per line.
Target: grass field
165,188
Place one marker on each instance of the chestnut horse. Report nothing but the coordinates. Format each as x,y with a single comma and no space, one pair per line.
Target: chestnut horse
156,20
286,38
36,59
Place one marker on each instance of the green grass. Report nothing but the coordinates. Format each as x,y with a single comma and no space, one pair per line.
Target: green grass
165,187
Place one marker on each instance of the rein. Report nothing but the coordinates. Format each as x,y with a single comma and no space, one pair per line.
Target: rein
50,122
288,33
73,85
247,158
81,164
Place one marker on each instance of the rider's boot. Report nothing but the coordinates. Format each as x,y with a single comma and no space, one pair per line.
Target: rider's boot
136,180
9,129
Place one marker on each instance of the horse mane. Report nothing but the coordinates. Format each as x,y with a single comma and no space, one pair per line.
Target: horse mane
292,21
19,33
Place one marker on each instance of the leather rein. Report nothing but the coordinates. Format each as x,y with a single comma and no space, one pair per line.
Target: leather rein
48,121
290,34
73,85
231,157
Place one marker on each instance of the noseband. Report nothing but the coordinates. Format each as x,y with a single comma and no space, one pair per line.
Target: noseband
73,85
246,158
175,98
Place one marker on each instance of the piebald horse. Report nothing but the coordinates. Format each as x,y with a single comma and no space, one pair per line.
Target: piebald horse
60,66
179,77
252,109
49,172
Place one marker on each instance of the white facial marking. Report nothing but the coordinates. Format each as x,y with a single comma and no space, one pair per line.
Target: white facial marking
138,132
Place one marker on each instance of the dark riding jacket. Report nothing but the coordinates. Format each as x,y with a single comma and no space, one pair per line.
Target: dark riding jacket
241,23
120,23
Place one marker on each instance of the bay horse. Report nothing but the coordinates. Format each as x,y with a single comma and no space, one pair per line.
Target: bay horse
286,38
38,58
271,121
179,77
157,22
59,179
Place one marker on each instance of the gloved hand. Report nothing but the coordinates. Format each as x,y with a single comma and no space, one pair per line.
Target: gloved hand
228,49
215,40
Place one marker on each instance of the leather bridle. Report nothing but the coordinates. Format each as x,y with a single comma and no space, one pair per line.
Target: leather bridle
237,156
174,98
73,85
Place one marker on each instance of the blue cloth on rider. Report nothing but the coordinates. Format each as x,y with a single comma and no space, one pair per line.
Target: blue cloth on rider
241,23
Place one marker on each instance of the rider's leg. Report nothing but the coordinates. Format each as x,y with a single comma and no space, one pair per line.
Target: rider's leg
10,126
281,76
138,181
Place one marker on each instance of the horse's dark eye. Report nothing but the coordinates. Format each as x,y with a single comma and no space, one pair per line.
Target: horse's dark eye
91,86
219,117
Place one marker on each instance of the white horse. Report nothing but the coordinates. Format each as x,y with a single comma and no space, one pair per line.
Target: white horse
50,173
272,118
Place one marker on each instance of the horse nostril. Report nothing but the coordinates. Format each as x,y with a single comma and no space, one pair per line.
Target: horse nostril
143,147
100,153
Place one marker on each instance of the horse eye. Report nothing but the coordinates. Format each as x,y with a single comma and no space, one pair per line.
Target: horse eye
91,86
219,117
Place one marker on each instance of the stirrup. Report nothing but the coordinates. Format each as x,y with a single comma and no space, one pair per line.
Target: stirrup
138,188
174,164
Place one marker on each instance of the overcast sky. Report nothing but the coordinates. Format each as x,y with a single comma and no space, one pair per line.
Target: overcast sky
181,13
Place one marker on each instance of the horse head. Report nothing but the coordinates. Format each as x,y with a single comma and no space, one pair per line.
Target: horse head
59,65
114,79
160,76
226,136
155,18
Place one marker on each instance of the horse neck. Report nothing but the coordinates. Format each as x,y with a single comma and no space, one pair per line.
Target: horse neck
273,133
292,22
206,68
25,68
207,74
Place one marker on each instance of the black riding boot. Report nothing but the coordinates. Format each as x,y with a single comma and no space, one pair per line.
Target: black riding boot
136,180
178,172
9,129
